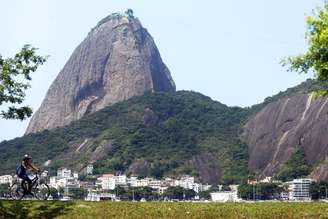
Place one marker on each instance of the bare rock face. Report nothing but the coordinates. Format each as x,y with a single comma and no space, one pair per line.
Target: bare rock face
116,61
301,119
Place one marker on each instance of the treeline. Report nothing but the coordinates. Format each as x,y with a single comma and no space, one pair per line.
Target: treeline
260,191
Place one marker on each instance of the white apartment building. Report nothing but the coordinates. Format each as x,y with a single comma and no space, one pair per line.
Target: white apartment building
188,182
106,181
167,182
56,182
64,179
6,179
97,197
155,184
225,196
90,169
132,181
75,175
120,180
64,173
204,187
143,182
53,181
299,189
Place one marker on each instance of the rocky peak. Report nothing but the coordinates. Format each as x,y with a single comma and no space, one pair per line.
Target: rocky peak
116,61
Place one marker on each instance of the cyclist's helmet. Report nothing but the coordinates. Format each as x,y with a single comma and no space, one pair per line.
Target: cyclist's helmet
27,157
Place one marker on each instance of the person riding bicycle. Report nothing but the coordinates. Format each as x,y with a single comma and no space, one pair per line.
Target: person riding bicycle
26,163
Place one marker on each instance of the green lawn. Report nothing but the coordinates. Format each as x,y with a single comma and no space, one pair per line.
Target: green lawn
79,209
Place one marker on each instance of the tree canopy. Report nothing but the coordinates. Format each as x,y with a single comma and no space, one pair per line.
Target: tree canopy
316,56
15,74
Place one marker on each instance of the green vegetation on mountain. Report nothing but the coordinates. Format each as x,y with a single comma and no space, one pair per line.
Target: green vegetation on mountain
308,86
160,134
156,135
295,167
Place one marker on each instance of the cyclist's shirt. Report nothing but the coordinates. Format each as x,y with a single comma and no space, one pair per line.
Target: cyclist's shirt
21,170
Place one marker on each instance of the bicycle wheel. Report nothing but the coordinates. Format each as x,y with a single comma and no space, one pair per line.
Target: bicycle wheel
16,191
41,191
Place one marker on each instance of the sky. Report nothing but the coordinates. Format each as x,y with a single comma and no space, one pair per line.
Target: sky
228,50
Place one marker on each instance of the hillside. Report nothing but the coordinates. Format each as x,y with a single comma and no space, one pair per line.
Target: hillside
158,134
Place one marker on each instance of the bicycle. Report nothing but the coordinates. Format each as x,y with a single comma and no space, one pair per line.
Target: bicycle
40,189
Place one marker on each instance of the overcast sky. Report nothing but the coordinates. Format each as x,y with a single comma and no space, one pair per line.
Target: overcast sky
228,50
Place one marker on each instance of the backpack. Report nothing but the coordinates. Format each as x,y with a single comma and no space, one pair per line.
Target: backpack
18,170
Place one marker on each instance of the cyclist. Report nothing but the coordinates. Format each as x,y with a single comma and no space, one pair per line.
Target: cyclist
26,163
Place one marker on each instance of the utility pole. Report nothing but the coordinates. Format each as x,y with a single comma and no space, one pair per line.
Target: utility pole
133,194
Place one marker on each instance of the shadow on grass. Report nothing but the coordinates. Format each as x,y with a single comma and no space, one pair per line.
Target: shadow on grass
33,209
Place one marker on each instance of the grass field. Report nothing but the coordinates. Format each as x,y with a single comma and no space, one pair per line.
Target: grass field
77,209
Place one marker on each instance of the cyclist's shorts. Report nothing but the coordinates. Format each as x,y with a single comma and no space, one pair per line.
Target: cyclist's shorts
26,178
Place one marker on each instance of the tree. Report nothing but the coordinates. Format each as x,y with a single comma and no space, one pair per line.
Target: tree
295,167
263,191
316,56
78,193
137,193
246,191
225,188
54,193
14,76
129,12
4,190
177,192
319,190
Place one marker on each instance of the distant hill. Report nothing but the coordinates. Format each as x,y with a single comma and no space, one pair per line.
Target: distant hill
159,134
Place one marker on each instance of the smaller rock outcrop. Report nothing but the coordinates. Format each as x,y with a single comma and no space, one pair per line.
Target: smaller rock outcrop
272,134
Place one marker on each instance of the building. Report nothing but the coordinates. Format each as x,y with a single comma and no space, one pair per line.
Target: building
132,181
53,181
299,189
6,179
75,175
120,180
185,182
267,179
168,182
106,182
225,196
155,184
64,179
204,187
143,182
64,173
188,182
98,197
90,169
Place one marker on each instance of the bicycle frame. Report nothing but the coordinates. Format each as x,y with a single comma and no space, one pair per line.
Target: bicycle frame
34,182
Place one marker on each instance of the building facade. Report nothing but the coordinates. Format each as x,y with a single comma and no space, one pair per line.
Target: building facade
299,189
